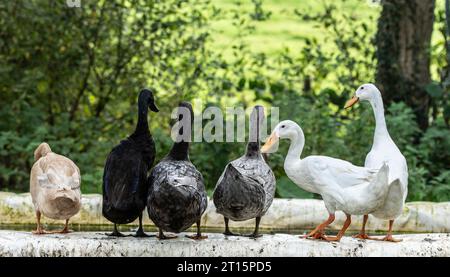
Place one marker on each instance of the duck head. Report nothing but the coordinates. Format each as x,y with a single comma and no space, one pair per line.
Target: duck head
366,92
182,132
146,96
286,129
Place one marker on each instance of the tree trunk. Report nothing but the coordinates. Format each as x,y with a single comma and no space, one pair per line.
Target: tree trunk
403,52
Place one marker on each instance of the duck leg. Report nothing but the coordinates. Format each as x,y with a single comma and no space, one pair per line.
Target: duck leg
388,236
65,230
317,233
256,233
362,234
197,236
161,235
341,233
39,230
227,229
116,232
140,231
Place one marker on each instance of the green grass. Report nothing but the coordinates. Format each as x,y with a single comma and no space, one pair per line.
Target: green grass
284,28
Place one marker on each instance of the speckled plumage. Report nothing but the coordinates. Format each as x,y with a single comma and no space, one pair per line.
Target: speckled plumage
246,188
177,196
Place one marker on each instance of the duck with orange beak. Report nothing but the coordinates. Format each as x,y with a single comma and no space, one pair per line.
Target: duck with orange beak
383,150
343,186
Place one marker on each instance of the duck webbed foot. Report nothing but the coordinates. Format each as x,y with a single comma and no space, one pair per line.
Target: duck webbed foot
65,230
317,233
227,229
162,236
140,231
362,234
389,236
341,233
141,234
39,230
256,233
231,234
197,236
116,233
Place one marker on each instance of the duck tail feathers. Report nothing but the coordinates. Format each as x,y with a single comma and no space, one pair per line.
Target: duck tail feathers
42,150
379,185
395,188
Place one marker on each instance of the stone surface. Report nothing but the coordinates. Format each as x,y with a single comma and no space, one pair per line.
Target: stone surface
13,243
284,214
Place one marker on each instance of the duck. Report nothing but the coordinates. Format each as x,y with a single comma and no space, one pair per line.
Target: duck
383,150
343,186
55,187
246,188
177,197
126,169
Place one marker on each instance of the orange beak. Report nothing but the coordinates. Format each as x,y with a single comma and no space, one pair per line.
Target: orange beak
351,102
269,143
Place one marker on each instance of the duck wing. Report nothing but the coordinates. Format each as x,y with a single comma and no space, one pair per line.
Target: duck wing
343,173
57,172
177,196
124,177
353,189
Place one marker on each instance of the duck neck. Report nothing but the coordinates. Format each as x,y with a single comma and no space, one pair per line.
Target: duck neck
180,151
180,148
253,146
381,132
142,124
296,147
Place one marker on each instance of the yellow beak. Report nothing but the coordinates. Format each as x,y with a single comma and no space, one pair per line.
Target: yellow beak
269,143
351,102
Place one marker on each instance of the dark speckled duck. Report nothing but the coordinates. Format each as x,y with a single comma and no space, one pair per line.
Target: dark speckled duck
126,169
177,197
246,188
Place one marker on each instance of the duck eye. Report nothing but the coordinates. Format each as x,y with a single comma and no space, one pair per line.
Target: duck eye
282,126
362,87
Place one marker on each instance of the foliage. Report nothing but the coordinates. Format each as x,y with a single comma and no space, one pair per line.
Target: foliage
71,77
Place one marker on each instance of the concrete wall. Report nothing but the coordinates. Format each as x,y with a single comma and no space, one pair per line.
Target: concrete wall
280,245
286,214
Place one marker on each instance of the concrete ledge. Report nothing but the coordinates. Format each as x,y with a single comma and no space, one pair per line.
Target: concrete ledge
284,214
280,245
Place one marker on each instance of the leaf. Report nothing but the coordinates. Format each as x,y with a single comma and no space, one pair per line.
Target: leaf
42,86
434,90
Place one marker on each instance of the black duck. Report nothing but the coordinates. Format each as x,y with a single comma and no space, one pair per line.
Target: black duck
125,175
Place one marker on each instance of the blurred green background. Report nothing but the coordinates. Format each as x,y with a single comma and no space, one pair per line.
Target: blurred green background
71,76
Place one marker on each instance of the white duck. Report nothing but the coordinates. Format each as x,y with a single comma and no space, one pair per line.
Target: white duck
383,150
54,186
343,186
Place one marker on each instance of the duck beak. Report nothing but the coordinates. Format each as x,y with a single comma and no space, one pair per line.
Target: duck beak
152,106
351,102
273,140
